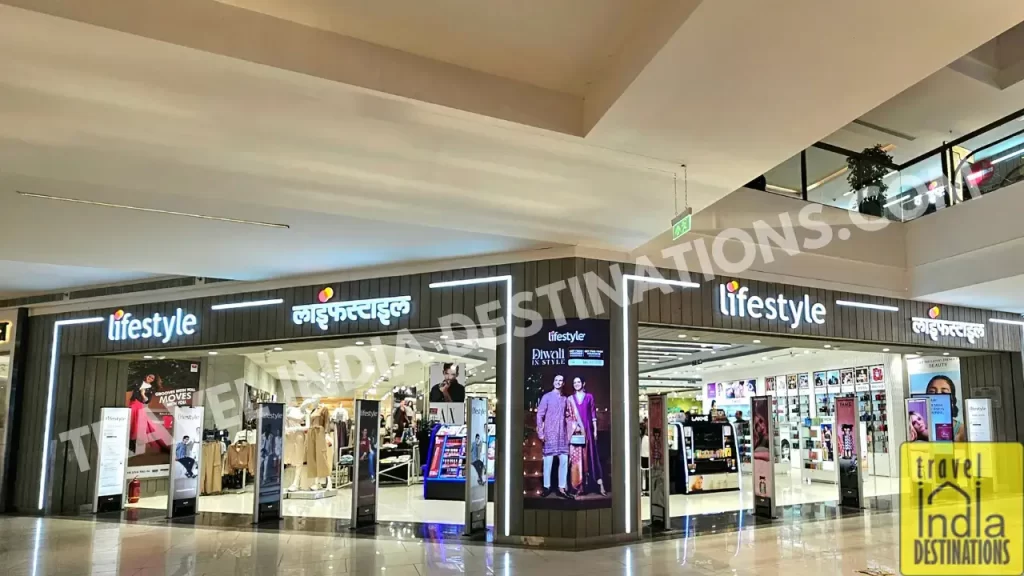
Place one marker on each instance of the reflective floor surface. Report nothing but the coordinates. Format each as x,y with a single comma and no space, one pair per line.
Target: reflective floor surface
38,546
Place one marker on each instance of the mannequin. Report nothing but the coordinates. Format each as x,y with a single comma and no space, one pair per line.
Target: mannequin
295,441
320,428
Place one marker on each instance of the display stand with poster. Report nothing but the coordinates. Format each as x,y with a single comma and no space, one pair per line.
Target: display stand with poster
475,466
657,421
364,487
851,492
111,460
711,457
183,494
762,431
980,426
268,489
919,419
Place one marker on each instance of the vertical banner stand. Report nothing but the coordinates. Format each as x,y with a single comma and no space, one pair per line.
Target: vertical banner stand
475,467
762,456
847,434
366,465
186,462
657,431
980,424
268,494
111,460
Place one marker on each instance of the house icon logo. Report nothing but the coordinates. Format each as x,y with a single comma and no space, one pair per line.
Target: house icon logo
962,510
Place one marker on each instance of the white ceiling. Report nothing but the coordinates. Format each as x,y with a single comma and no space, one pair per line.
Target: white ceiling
563,46
19,278
392,163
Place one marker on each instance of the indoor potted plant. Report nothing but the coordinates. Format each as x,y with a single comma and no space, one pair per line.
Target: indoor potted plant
865,173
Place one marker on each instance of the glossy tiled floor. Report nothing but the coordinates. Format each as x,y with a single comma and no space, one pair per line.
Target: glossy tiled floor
72,547
406,504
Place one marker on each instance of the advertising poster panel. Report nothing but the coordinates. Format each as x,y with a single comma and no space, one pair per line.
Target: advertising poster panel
270,462
364,492
979,420
567,453
185,462
919,420
761,434
940,375
475,466
657,420
447,393
940,417
111,459
154,389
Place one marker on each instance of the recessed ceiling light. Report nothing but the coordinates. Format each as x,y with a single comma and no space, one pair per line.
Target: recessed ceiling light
918,353
213,353
369,369
147,357
480,350
278,349
828,345
757,341
714,351
885,349
374,349
161,357
682,335
945,353
696,338
764,358
360,343
444,336
807,351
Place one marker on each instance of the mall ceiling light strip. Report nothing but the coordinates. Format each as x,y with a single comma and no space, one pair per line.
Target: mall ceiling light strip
867,306
253,304
154,210
1004,321
51,384
506,402
627,427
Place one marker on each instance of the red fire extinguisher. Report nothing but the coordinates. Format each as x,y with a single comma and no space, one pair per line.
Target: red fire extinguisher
134,491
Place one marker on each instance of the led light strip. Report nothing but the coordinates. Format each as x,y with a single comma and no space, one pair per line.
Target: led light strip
47,424
867,306
627,436
253,304
507,401
1003,321
153,210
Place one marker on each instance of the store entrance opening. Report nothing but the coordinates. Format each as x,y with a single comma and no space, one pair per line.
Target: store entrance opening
421,380
710,377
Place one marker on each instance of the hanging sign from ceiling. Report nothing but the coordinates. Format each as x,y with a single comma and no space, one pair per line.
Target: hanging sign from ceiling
325,312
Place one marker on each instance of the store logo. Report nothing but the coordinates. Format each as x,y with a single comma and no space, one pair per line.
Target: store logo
368,413
962,513
325,295
123,326
733,300
570,337
933,327
5,332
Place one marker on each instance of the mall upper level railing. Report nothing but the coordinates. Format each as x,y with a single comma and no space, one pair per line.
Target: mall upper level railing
969,167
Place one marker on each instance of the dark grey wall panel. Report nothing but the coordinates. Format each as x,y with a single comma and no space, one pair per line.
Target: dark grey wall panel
695,307
999,377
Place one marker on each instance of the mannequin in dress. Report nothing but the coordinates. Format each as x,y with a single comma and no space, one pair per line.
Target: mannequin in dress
295,426
320,428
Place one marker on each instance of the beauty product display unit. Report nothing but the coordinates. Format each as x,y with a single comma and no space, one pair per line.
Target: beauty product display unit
710,457
445,474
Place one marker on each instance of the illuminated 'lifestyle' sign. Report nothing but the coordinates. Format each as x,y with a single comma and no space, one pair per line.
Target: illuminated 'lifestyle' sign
734,301
123,326
381,309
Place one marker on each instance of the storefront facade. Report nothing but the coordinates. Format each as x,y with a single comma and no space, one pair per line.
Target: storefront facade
67,379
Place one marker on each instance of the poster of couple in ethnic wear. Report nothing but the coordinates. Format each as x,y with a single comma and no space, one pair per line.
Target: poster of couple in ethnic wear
567,449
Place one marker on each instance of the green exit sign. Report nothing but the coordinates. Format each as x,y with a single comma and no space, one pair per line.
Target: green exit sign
682,224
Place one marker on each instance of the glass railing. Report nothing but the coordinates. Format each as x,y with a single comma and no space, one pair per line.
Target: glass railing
981,162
